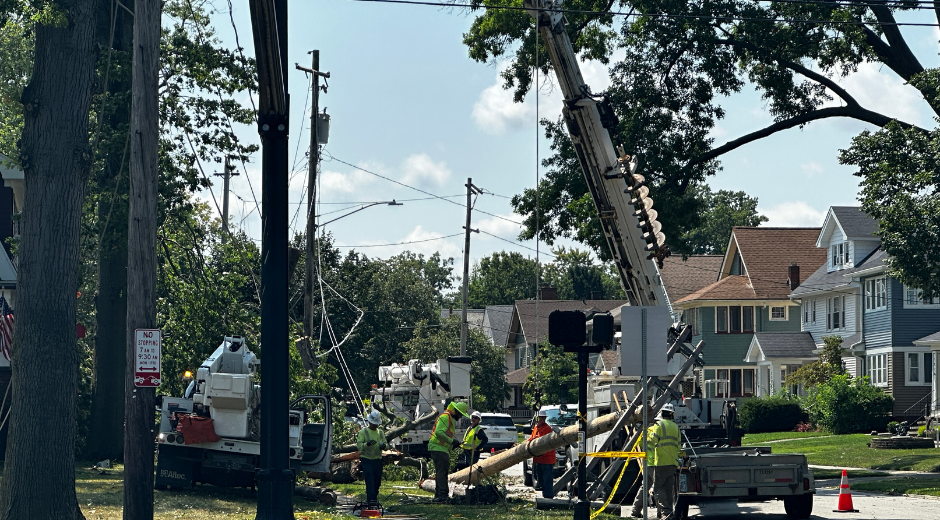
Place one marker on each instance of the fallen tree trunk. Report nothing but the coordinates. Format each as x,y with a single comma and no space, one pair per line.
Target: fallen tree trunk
528,449
325,496
394,433
546,504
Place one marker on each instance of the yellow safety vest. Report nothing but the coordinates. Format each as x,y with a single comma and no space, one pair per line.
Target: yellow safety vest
442,436
470,439
663,444
362,439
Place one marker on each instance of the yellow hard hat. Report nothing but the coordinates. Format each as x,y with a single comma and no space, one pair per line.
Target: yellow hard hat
460,407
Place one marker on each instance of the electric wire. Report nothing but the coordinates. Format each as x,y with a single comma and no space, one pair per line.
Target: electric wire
404,243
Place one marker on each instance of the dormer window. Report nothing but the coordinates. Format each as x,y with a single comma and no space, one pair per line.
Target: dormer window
840,254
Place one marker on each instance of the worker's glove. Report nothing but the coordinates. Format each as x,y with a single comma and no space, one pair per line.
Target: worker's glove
370,443
456,443
383,446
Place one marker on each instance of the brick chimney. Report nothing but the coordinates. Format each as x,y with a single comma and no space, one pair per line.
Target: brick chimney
548,292
793,276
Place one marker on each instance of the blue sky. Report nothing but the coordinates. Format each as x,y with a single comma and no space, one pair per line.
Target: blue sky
406,102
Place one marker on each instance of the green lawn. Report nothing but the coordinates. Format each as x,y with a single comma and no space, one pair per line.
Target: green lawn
852,451
820,474
760,438
908,485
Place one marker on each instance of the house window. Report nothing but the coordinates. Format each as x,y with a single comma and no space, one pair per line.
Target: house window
919,369
814,311
878,369
734,319
839,254
876,292
778,313
735,382
692,317
835,312
805,311
914,298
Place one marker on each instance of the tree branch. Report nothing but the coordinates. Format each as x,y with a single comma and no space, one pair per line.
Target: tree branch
854,112
901,51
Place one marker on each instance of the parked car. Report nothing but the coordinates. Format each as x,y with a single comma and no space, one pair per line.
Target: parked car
559,417
500,430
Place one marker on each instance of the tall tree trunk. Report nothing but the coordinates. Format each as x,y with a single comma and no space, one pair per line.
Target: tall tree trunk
142,258
39,474
105,439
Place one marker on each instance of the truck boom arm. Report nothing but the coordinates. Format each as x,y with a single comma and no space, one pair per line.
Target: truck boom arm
635,243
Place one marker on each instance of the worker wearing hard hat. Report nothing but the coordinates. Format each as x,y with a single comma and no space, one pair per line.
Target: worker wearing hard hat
543,466
662,457
371,441
439,446
474,440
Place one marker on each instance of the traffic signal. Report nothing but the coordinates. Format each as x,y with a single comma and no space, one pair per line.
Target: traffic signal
643,205
602,335
568,329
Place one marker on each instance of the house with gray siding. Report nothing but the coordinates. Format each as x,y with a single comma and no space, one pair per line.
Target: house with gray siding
881,321
760,268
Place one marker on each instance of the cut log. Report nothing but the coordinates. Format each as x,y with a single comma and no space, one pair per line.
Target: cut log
325,496
546,504
544,444
394,433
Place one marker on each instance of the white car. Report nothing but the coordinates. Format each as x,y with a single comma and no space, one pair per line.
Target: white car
500,430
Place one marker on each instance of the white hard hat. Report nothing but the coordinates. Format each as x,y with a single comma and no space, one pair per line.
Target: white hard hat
543,413
374,417
668,408
477,415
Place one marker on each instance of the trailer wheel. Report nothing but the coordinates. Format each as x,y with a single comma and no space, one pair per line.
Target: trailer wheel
798,507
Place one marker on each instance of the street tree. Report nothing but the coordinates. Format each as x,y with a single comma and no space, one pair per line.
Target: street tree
823,369
39,482
576,276
723,210
553,378
501,279
676,66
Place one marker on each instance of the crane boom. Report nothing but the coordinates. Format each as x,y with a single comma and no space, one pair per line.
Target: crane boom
625,212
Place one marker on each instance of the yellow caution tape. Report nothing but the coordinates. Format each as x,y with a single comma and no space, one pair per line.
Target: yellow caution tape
617,454
613,491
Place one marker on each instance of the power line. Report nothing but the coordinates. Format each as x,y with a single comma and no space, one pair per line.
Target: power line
516,243
668,15
404,243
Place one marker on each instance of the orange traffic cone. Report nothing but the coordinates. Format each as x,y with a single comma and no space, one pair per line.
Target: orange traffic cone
845,496
492,451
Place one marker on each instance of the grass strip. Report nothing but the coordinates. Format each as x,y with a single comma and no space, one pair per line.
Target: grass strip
902,486
852,451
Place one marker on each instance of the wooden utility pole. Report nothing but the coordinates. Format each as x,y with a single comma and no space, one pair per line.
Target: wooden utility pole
306,352
227,176
141,257
471,190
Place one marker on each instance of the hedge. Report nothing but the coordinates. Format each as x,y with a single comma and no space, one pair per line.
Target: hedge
769,414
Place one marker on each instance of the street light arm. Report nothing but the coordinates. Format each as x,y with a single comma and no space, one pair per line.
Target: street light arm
388,203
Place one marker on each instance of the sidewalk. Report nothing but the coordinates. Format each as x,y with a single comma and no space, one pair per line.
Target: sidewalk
892,473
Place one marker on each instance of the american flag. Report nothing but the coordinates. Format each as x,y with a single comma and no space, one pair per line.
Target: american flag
6,329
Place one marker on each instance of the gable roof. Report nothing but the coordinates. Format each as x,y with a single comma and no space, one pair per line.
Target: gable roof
517,377
682,277
781,345
728,288
823,280
929,340
496,320
768,252
607,360
531,316
854,222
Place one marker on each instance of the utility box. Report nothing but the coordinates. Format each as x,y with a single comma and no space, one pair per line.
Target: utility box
229,395
658,322
459,375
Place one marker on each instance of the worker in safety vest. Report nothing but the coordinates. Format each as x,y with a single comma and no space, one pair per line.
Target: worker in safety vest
439,446
662,457
474,440
371,441
543,466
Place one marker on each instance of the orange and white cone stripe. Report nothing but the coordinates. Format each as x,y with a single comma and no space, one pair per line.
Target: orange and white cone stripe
845,496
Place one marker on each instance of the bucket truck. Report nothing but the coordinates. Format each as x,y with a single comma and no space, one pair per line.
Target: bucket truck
211,433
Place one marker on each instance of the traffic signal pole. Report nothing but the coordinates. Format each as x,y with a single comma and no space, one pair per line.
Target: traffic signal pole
582,508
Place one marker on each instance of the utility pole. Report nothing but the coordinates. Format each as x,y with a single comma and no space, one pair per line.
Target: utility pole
227,175
275,478
306,353
471,190
139,402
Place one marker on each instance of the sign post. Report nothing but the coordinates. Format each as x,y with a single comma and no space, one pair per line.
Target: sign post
147,359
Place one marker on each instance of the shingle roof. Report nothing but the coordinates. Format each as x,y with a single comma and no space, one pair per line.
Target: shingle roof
786,344
496,323
474,316
607,360
822,280
855,223
534,320
683,277
933,338
517,377
768,253
728,288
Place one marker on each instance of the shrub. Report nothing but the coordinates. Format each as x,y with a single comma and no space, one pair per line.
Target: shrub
922,431
847,405
769,414
892,426
805,427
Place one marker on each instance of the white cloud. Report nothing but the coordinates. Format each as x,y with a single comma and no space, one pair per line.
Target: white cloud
501,227
884,92
421,241
793,214
337,182
421,170
495,111
811,168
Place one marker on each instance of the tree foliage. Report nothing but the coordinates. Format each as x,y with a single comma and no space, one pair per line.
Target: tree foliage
501,279
683,60
850,405
823,369
576,276
553,379
723,210
487,370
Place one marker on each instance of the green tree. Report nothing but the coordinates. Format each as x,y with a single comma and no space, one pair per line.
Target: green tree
850,405
682,62
823,369
576,276
724,209
16,63
501,279
487,370
553,379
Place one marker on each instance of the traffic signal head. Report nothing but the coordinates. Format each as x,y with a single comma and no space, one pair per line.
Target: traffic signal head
568,329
